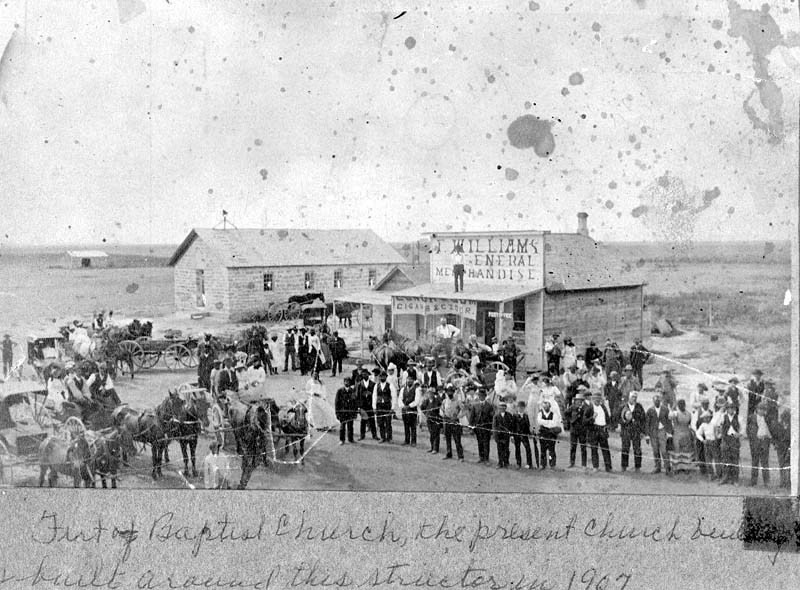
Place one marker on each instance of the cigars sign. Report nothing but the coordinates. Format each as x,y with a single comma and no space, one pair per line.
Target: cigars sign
421,306
494,260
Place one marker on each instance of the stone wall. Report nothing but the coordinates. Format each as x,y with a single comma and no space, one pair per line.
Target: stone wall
197,258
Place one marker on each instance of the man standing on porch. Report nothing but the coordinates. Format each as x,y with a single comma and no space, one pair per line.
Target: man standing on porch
458,267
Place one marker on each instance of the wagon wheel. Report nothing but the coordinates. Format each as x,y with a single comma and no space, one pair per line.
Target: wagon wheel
496,366
75,427
150,359
134,349
457,375
274,313
177,356
293,311
192,360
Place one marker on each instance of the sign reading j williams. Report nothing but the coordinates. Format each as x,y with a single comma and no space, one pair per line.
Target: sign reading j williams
487,259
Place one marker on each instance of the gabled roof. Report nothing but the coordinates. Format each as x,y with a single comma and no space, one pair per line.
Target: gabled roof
86,254
238,248
416,273
575,262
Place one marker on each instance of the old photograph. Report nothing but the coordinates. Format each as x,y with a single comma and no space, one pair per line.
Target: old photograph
360,245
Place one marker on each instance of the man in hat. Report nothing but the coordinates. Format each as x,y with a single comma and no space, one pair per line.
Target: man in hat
596,378
214,376
629,382
364,389
8,355
205,362
732,392
410,400
549,428
659,432
445,331
592,354
430,376
521,435
457,257
451,412
382,401
755,391
346,406
731,435
302,351
431,407
759,435
481,418
597,418
228,380
355,376
338,352
502,427
668,386
612,393
574,416
552,351
289,349
632,427
639,356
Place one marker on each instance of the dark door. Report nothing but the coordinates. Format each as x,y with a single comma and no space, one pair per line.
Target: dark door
489,327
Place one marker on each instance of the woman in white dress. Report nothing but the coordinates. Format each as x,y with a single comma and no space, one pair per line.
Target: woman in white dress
56,393
321,414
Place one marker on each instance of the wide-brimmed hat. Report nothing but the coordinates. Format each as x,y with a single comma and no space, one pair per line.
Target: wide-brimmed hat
734,380
702,386
758,372
580,396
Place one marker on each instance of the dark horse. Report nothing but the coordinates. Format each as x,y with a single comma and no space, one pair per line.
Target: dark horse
253,430
106,454
70,458
294,426
144,428
183,419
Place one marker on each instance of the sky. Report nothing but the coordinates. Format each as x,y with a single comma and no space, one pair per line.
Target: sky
132,121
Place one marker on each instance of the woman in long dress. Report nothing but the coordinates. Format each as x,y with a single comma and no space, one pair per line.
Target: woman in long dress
683,447
321,414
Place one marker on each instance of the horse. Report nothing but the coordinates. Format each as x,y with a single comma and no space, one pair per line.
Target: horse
294,426
252,426
144,428
107,450
385,354
71,458
183,419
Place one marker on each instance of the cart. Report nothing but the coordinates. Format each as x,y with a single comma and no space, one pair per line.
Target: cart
147,352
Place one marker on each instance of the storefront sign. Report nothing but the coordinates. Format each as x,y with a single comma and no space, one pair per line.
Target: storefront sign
423,306
516,259
497,314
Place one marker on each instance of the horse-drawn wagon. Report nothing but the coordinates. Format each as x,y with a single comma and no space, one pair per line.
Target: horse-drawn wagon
178,353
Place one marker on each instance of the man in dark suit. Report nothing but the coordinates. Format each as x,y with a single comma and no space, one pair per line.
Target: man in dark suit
302,352
430,376
659,432
289,350
338,348
228,381
759,435
522,433
638,358
382,402
481,416
364,395
632,426
502,427
346,406
430,408
597,418
613,393
573,415
592,353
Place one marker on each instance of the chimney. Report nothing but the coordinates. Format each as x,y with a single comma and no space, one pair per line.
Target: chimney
583,228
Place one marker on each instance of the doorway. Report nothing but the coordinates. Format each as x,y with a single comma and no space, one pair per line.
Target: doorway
200,288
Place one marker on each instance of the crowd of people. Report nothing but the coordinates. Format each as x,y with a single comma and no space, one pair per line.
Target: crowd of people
702,431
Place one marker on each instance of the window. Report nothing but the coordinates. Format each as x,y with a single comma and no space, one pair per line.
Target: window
337,279
269,285
373,277
309,281
519,315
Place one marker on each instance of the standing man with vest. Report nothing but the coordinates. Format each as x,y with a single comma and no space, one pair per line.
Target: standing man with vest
289,350
346,406
458,267
410,400
504,425
632,426
431,407
382,402
364,390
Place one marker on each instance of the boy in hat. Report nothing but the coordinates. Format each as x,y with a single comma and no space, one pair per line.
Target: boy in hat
522,432
502,427
481,417
577,427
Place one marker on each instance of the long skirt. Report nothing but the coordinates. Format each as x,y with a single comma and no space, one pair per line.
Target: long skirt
321,415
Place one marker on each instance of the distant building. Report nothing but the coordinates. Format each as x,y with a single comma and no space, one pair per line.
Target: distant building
235,271
87,259
526,284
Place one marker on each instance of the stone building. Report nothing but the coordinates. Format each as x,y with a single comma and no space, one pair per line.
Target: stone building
232,272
